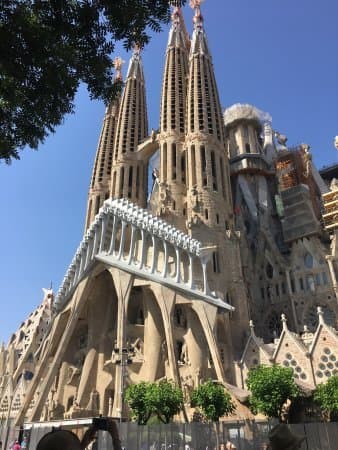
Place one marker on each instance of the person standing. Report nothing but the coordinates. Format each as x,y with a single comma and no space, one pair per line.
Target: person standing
16,446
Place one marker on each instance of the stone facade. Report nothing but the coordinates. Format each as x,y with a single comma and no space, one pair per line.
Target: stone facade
233,231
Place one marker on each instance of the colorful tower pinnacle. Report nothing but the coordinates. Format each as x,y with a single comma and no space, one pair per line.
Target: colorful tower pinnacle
100,184
172,127
129,174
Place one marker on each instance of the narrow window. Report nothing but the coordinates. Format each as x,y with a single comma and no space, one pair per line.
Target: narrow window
204,165
114,184
301,284
164,162
130,181
173,160
206,213
213,171
215,262
183,167
137,180
222,177
247,148
97,204
121,182
193,165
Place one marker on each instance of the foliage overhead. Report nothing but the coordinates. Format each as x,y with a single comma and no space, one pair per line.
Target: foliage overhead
212,399
163,399
326,395
48,47
271,387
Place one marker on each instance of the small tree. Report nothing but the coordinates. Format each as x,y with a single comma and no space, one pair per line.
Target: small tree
163,399
212,399
167,399
271,387
326,395
139,401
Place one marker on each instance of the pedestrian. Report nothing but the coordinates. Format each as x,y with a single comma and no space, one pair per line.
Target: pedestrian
16,446
281,438
24,443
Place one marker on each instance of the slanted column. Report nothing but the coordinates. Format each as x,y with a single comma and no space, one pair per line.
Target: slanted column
191,274
113,237
89,249
143,250
103,231
123,238
178,265
206,289
165,262
293,307
96,232
83,257
77,268
132,244
331,268
153,262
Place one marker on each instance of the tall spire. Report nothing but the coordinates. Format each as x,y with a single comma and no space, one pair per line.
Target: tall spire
209,187
172,123
101,176
129,174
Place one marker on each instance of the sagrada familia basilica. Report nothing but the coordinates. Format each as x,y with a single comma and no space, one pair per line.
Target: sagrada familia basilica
230,261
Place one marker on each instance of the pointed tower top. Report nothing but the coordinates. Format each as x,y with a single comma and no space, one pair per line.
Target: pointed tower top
252,328
320,315
198,18
284,320
137,49
135,65
118,63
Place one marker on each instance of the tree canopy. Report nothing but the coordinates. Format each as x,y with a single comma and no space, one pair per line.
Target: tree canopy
271,387
326,395
163,400
48,48
213,400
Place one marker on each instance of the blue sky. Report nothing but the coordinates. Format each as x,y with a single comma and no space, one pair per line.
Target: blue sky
280,55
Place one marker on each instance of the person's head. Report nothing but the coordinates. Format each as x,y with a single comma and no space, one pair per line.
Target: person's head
281,438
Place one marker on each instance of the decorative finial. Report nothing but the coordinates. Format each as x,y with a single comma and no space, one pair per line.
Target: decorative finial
336,142
320,314
118,63
284,320
198,18
252,327
137,49
175,17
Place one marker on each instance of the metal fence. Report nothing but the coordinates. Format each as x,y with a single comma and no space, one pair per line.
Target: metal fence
244,435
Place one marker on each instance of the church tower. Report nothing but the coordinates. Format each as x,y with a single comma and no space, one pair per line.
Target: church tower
129,174
172,124
209,200
100,184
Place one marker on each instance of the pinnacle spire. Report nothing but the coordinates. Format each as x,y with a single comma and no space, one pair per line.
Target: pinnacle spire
135,69
198,18
118,63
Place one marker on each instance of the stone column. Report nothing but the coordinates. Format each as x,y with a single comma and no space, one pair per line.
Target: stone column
123,284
